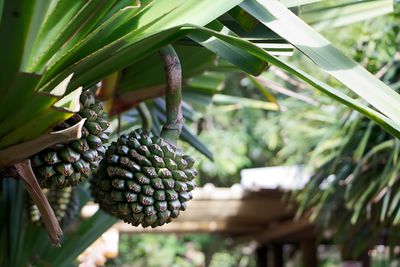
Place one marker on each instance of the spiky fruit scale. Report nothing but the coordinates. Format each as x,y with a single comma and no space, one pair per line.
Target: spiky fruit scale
68,164
144,180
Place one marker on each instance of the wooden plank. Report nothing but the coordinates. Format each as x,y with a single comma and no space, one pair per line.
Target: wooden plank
277,232
306,233
235,192
189,227
251,211
233,211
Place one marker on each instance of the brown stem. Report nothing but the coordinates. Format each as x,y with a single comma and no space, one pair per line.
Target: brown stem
145,114
25,172
173,126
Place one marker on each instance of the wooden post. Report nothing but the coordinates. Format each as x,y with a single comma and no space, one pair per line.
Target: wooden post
308,249
277,252
262,256
365,259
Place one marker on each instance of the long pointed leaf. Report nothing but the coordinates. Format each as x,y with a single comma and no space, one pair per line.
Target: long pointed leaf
388,124
14,28
75,243
278,18
345,14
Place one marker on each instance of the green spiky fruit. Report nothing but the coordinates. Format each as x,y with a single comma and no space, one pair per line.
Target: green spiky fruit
68,164
64,202
144,180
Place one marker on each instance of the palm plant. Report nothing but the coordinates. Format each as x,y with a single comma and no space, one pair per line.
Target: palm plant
56,48
354,187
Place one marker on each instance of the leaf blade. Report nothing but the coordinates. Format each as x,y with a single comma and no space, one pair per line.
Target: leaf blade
278,18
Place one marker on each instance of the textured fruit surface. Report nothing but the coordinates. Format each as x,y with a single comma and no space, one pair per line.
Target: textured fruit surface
64,202
68,164
144,180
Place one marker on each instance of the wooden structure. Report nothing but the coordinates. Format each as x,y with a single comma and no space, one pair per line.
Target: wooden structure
244,215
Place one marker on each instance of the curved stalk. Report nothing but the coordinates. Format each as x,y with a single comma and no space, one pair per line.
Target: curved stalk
173,97
145,114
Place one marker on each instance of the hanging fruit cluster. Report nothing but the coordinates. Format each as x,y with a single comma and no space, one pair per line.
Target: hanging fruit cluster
68,164
144,179
61,167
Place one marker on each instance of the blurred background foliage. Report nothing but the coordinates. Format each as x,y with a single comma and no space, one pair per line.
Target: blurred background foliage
354,188
309,129
183,251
